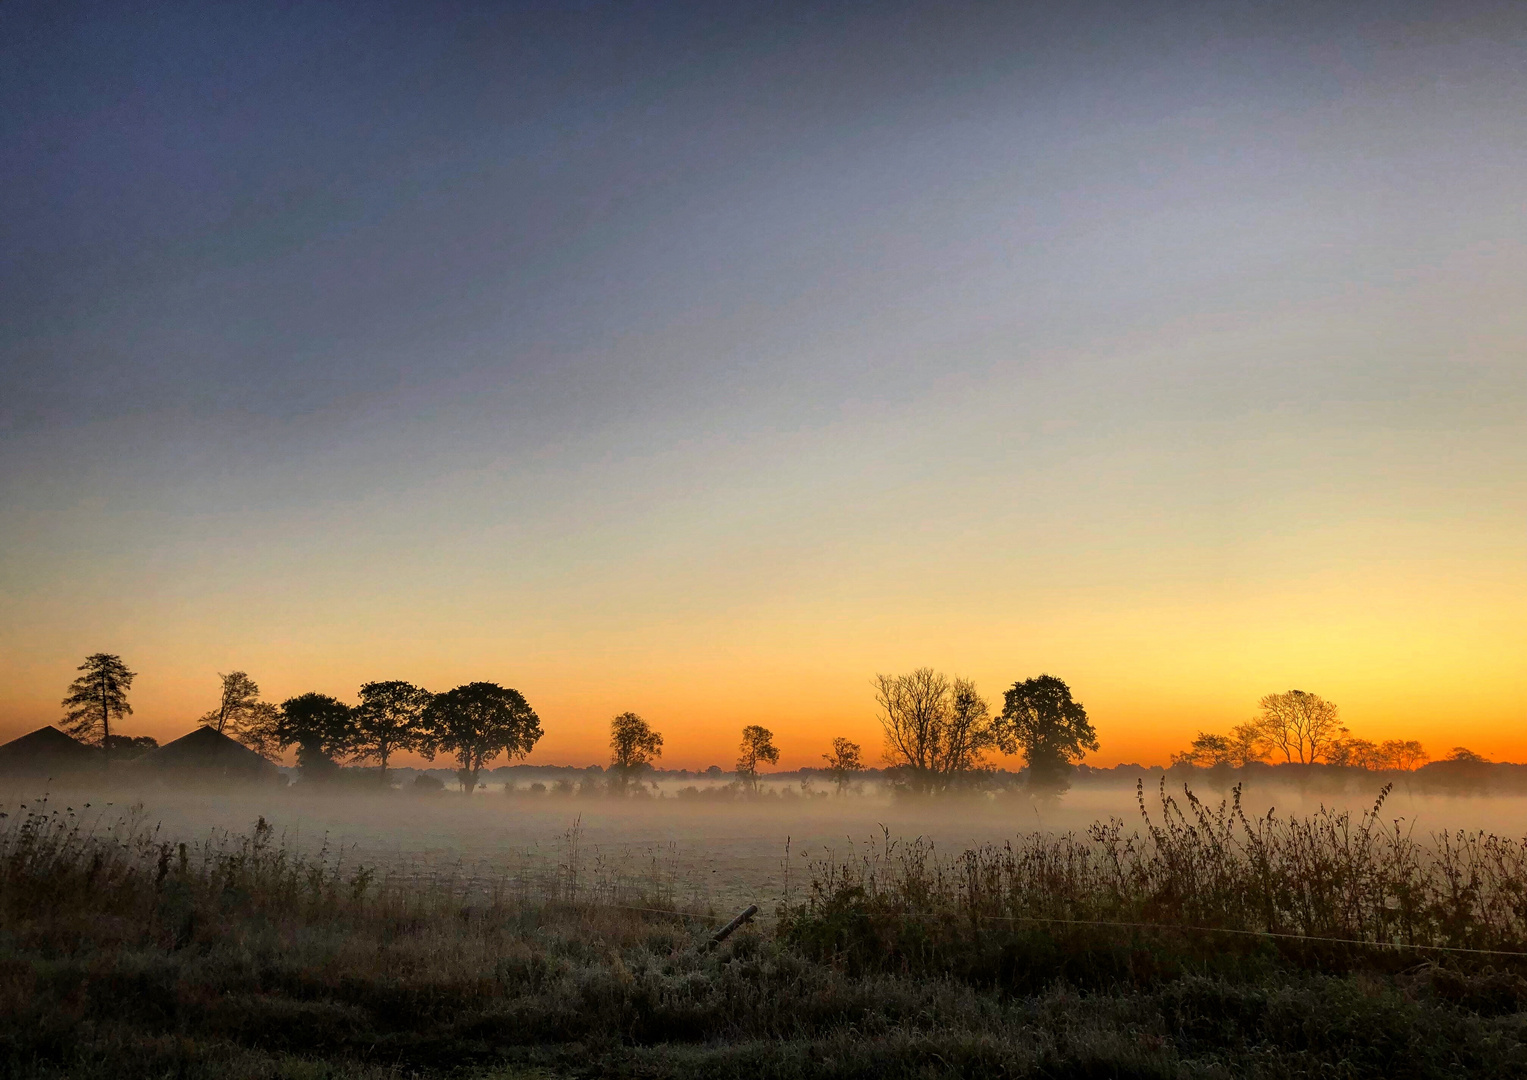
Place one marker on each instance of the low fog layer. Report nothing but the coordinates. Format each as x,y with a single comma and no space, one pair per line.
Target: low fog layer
720,854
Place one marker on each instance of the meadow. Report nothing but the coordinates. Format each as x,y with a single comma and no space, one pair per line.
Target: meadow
282,933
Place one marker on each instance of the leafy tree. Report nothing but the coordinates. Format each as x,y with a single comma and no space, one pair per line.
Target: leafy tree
239,697
633,745
321,727
936,731
1467,756
390,719
1303,726
844,761
1041,721
479,721
1206,751
98,696
757,745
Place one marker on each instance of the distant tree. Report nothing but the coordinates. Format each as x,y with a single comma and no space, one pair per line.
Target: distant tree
936,730
239,696
1246,745
1406,754
844,762
1041,721
633,745
390,719
757,745
98,696
968,733
1302,726
321,727
479,721
1464,754
1354,753
127,747
1206,751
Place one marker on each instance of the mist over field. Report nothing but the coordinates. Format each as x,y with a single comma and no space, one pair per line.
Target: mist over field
713,855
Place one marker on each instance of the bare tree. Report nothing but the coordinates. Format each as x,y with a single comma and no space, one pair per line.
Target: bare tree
936,731
1302,726
1404,754
98,696
757,745
844,761
914,709
633,745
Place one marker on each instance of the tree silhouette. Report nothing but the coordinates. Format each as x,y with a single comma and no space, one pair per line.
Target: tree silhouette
633,745
479,721
98,696
757,745
390,718
1303,726
1402,754
321,727
1041,721
239,696
843,762
936,731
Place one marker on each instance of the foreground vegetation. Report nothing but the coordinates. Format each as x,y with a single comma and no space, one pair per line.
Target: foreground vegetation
1102,955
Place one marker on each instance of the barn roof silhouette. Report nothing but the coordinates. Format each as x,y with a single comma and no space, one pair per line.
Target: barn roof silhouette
207,752
47,750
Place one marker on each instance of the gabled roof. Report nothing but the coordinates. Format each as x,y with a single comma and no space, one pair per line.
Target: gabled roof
47,750
208,751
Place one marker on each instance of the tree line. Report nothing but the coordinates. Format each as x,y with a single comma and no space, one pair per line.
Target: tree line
939,732
1302,729
475,722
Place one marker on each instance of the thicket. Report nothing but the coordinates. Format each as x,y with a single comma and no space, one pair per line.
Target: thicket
124,954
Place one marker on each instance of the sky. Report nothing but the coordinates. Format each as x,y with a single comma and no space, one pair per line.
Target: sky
707,360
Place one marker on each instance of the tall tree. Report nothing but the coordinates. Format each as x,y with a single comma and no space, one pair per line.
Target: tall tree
757,745
633,746
844,761
1041,721
913,711
479,721
937,731
321,727
98,696
239,696
1302,726
389,719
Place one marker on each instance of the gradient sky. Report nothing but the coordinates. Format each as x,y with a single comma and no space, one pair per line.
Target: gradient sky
705,360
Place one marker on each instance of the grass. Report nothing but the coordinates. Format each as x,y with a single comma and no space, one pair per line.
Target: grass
122,955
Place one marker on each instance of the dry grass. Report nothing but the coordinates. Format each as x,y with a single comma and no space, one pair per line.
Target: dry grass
123,954
1327,876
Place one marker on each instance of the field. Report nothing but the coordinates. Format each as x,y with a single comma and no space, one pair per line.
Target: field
298,934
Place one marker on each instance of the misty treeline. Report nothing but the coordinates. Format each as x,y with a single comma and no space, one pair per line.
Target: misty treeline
939,731
1300,728
475,722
